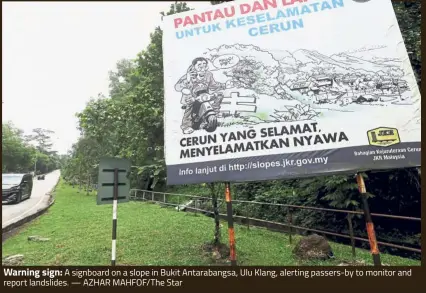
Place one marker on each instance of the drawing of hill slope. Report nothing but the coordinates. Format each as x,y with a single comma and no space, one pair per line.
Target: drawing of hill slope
355,63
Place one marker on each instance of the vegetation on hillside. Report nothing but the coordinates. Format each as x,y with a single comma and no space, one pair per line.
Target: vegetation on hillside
22,153
129,123
150,235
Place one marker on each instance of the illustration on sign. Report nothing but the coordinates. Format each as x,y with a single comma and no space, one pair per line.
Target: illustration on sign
259,82
310,78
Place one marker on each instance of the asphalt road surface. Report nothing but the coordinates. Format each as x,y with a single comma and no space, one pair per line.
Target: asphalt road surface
39,199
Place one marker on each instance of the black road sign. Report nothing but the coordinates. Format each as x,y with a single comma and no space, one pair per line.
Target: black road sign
107,167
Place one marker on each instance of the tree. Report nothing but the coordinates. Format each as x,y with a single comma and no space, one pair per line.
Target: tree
215,190
17,154
129,124
43,139
408,14
45,160
396,75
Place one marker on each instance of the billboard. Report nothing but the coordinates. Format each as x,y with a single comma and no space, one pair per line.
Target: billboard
276,89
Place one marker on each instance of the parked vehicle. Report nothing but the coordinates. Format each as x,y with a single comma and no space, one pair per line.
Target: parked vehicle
16,187
40,177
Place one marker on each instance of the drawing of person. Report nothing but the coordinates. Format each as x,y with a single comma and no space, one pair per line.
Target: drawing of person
200,78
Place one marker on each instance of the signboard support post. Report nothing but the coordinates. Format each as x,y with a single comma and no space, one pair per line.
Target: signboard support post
228,200
120,185
291,226
351,234
369,222
114,217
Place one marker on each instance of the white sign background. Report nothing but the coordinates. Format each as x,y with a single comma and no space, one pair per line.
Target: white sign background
350,28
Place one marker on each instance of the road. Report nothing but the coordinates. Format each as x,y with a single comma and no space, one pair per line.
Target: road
39,199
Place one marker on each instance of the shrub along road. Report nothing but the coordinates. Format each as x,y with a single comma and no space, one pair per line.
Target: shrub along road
79,233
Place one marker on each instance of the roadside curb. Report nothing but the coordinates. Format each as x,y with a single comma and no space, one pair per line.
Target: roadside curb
21,222
6,231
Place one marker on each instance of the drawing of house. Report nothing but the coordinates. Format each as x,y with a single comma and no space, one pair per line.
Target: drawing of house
350,80
370,98
387,84
315,90
321,98
346,101
346,98
323,81
301,86
402,84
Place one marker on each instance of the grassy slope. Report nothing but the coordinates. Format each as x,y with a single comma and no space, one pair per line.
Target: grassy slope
80,234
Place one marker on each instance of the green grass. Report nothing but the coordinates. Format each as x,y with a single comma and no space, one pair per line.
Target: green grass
147,234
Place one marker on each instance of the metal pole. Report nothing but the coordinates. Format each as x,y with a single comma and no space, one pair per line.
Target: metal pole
369,222
230,224
178,203
247,219
351,233
290,219
114,217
